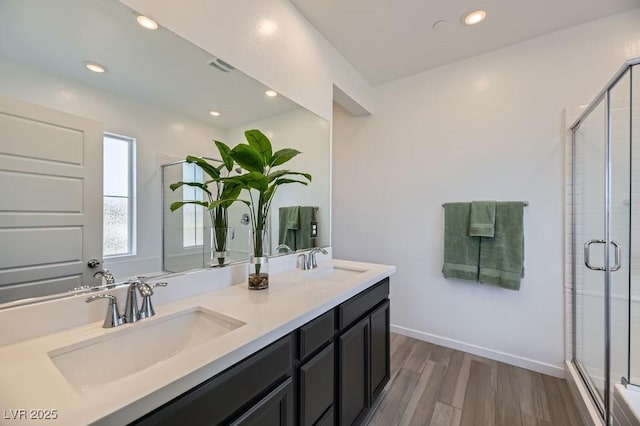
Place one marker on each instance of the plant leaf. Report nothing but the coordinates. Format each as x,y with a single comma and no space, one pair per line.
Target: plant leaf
280,173
260,143
225,154
248,158
218,203
205,166
230,191
282,156
253,180
202,186
176,205
282,181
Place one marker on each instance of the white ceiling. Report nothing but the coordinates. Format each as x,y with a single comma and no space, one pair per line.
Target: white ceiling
153,67
389,39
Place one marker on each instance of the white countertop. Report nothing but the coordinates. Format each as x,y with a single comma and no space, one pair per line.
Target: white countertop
30,381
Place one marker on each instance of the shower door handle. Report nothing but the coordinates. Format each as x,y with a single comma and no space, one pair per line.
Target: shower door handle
616,252
587,248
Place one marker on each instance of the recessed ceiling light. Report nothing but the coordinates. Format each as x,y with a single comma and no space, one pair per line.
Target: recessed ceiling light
267,27
147,22
271,93
214,113
475,17
95,67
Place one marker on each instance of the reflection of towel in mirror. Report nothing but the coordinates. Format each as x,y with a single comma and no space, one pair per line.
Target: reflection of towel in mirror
303,234
461,252
288,224
502,257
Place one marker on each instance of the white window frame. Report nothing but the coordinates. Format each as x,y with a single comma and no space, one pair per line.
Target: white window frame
197,209
131,249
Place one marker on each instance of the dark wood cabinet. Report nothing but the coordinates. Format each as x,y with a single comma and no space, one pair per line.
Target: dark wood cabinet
363,352
379,357
317,386
275,409
229,393
329,371
353,382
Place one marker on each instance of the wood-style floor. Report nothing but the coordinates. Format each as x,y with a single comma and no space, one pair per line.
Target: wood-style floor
438,386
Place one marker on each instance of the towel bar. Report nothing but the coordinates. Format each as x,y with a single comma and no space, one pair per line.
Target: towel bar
526,203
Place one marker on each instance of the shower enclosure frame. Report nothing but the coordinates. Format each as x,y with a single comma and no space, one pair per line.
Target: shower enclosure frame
603,96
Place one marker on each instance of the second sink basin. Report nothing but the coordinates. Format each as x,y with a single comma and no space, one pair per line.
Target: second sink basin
134,347
334,273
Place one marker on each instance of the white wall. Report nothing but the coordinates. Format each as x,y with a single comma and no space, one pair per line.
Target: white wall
161,137
294,60
490,127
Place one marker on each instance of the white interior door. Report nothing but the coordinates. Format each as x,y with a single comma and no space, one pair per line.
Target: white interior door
50,200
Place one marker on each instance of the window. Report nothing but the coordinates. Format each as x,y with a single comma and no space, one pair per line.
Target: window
192,215
118,191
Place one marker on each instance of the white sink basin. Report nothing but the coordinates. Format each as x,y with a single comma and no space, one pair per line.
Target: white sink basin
134,347
334,273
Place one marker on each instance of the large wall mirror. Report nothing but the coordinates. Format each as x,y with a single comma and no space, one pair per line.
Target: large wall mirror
86,157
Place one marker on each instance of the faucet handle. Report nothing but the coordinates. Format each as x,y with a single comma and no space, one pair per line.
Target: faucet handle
146,291
113,318
312,262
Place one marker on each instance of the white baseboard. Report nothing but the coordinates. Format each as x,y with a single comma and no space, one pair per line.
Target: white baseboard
518,361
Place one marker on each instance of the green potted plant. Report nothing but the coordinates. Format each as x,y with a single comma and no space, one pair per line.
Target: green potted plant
226,192
261,180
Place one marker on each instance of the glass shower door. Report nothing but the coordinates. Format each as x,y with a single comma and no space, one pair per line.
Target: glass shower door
602,215
589,249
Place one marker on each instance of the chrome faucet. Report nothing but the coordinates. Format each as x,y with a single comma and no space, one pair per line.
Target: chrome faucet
113,318
312,263
109,279
301,262
284,247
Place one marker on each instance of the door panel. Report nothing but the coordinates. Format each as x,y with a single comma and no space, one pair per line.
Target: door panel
50,200
380,362
589,216
620,122
354,372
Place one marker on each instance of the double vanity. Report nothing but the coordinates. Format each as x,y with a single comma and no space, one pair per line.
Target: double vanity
312,349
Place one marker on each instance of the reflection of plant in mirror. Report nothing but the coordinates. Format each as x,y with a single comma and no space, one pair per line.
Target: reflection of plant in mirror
226,193
259,160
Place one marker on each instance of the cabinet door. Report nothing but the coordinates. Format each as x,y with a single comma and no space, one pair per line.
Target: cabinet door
316,386
354,372
276,409
379,349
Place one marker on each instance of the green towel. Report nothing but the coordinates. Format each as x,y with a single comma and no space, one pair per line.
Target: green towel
287,218
461,252
482,219
303,234
293,218
502,257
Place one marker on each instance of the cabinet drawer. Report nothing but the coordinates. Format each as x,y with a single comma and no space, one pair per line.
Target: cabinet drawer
226,394
316,333
275,409
354,308
327,419
316,386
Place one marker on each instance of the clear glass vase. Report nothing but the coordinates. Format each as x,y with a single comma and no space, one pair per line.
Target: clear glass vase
259,249
220,244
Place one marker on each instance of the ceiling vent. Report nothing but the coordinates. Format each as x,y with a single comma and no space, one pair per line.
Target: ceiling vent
221,65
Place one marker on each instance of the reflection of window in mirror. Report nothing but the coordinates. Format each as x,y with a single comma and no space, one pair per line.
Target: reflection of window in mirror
192,215
118,191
